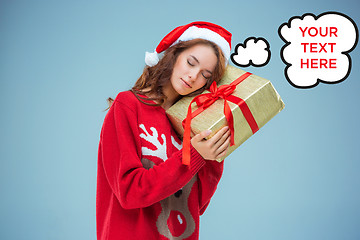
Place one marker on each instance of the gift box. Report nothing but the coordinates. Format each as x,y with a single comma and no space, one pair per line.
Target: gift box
251,100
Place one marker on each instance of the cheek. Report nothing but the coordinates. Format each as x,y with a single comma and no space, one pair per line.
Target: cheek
177,69
200,83
180,66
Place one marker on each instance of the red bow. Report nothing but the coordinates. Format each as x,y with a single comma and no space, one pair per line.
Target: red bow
204,101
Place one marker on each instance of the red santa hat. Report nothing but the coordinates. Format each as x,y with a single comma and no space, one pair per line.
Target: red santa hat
204,30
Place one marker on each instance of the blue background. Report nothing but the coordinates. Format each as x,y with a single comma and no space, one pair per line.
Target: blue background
297,178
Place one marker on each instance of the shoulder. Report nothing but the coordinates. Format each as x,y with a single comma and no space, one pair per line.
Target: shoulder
131,100
126,99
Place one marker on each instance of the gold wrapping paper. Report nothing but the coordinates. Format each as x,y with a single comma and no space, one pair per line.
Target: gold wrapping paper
258,93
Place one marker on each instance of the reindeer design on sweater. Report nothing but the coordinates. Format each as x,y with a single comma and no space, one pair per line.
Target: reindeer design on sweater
175,220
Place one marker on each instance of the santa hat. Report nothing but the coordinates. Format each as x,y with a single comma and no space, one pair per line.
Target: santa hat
204,30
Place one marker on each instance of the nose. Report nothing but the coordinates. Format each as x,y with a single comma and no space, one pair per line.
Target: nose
193,74
176,223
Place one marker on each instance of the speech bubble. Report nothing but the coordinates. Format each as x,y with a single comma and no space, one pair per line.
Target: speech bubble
317,48
254,52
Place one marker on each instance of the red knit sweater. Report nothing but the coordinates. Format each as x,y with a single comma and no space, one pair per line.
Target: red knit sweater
143,189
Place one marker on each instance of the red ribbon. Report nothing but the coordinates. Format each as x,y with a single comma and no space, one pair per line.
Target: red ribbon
204,101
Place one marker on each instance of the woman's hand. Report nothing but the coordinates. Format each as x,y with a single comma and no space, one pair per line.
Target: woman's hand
213,148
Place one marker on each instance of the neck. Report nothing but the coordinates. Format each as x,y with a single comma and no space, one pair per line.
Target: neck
171,96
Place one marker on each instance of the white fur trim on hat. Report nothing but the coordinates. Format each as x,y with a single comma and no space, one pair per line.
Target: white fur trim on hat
204,33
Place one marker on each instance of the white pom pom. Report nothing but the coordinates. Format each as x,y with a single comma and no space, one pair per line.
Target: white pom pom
151,59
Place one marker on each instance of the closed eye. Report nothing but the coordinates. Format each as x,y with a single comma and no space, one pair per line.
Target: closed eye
190,63
206,77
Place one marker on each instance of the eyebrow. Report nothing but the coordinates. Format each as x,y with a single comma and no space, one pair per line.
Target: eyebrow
199,62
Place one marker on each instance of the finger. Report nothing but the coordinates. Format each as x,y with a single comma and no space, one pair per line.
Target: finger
223,154
223,138
223,147
217,136
200,136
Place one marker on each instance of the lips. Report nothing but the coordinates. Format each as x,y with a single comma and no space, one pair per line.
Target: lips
186,84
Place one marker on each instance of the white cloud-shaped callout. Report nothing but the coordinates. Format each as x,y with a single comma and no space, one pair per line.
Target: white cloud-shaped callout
317,48
254,51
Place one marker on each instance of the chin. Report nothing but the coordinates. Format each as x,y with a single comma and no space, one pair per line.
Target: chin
184,93
181,91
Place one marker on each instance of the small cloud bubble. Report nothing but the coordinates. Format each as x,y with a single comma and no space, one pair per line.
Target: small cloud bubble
254,52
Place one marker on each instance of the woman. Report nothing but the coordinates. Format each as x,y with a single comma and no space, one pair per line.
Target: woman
143,189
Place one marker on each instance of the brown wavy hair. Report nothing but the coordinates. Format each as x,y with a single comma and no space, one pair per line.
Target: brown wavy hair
156,77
